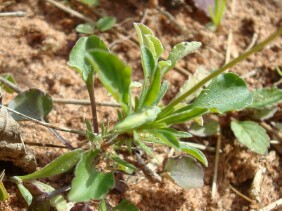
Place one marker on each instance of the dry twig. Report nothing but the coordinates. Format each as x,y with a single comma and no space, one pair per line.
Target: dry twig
13,14
214,181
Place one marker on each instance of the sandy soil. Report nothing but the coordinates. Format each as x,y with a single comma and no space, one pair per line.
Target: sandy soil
35,50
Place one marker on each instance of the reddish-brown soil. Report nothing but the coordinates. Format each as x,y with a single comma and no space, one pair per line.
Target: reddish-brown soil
35,49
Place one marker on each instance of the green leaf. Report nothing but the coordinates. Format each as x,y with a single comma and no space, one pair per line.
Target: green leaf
105,23
143,146
142,31
103,206
32,103
194,152
184,116
164,66
266,97
56,201
89,183
9,77
77,56
181,50
210,127
85,28
125,206
252,135
176,133
161,93
25,193
60,165
185,171
137,119
113,73
149,68
155,45
153,90
3,192
91,2
226,92
168,138
123,165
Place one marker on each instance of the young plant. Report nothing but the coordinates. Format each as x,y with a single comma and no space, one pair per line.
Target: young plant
102,24
214,9
142,121
218,12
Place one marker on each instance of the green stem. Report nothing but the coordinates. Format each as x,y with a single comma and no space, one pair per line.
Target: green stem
217,72
90,88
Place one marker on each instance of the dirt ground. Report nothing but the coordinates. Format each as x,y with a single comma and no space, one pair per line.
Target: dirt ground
35,50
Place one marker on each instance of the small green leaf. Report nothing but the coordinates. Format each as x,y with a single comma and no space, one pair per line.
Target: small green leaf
113,73
226,92
89,183
153,90
181,50
56,201
142,145
164,66
141,31
60,165
194,152
9,77
137,119
3,192
176,133
125,206
252,135
85,28
185,171
266,97
210,127
155,46
32,103
161,93
25,193
91,2
77,56
149,68
167,137
184,116
103,206
123,165
105,23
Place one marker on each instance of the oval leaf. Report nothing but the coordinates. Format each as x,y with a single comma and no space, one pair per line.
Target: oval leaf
105,23
252,135
85,28
32,103
226,92
89,183
185,171
113,73
77,56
